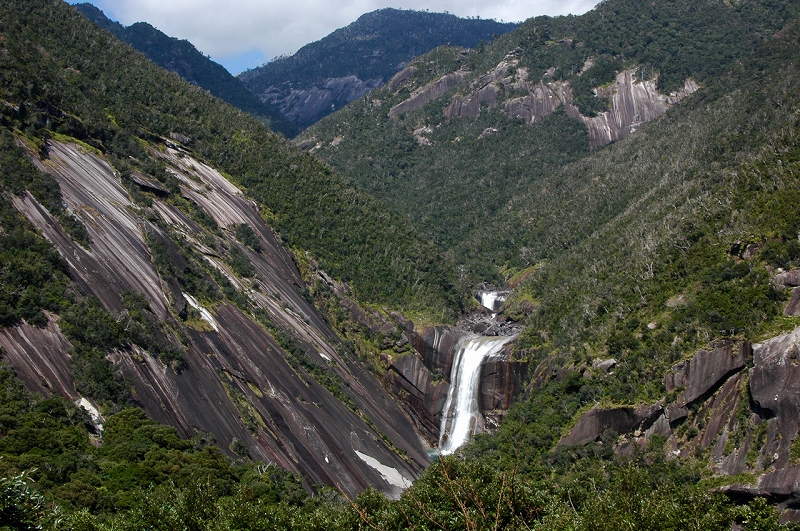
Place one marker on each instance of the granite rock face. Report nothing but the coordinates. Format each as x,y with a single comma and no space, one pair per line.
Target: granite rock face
633,102
706,370
597,421
422,378
501,381
424,394
737,403
428,93
236,381
307,105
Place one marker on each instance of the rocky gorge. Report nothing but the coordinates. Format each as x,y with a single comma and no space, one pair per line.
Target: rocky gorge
423,377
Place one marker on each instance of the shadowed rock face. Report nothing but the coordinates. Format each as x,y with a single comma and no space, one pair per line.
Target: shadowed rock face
501,381
424,394
308,105
237,382
619,420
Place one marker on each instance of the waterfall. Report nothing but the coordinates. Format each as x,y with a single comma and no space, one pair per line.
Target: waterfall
492,300
461,417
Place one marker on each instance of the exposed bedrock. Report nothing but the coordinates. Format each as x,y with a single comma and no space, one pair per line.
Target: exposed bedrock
633,102
501,381
236,382
422,378
743,420
308,105
597,421
428,93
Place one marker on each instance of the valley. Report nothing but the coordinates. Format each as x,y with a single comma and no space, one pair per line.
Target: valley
550,281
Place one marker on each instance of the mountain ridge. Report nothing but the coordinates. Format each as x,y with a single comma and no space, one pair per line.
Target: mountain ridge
655,282
343,66
181,57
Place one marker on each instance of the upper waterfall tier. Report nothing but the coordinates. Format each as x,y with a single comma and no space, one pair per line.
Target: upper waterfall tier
492,300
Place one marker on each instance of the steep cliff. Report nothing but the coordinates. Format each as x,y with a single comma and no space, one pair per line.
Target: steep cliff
236,381
422,379
736,405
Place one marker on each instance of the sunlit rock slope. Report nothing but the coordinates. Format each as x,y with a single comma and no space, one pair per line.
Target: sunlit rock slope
236,380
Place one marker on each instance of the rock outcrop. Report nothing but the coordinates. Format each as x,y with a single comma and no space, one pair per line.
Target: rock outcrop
633,102
746,420
597,421
424,393
236,381
703,374
307,105
428,93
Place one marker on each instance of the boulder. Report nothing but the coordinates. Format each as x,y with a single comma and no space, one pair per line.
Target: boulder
604,365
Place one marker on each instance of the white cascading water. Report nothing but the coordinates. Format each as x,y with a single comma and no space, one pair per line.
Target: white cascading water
461,415
489,299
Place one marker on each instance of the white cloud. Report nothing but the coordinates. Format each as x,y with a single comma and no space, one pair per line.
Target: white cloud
268,28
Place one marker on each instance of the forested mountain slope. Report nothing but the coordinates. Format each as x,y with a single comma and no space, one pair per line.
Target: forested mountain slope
184,59
655,282
158,282
326,75
458,136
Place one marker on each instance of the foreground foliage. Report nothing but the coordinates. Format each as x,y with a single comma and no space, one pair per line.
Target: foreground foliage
141,475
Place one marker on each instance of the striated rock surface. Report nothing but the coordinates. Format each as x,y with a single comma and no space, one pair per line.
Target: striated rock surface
706,370
634,102
39,357
744,420
437,346
424,394
428,93
236,381
502,380
401,77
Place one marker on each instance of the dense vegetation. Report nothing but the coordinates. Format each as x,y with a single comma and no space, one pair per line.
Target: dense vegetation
184,59
644,251
80,81
375,46
460,183
143,476
668,268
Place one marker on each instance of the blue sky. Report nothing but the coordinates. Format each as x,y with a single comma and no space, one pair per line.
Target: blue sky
241,34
